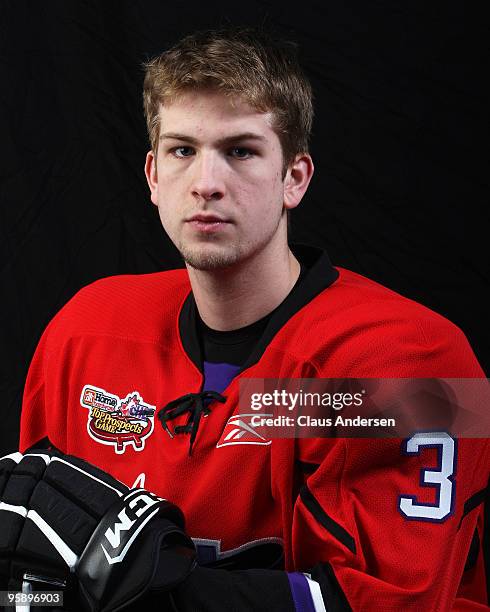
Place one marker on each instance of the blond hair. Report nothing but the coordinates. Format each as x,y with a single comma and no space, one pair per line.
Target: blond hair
248,63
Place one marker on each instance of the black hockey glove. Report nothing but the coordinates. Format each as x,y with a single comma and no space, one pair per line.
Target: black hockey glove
64,521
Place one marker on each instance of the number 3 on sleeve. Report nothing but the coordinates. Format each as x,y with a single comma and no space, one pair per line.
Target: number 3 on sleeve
440,477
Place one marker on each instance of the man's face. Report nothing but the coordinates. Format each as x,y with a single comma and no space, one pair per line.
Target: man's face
218,180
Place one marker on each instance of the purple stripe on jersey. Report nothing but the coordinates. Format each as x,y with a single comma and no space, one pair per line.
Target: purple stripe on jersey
301,592
217,376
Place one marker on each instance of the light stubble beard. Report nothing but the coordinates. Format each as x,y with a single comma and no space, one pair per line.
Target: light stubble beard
200,258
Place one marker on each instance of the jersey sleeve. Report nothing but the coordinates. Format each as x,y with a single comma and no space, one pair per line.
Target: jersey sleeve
33,423
397,521
393,520
43,420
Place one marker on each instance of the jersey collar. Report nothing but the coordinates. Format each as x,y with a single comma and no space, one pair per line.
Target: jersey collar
320,275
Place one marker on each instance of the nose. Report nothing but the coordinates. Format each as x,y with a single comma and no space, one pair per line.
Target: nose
208,178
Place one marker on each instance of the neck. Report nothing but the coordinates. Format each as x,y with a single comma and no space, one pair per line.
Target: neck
235,297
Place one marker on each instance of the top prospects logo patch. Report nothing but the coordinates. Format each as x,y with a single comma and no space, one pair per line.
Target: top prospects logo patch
115,421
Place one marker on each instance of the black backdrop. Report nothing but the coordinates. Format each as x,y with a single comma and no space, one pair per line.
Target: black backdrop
399,183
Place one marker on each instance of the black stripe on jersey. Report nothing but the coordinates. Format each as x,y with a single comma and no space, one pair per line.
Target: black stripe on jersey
480,497
325,520
307,468
471,503
473,552
333,595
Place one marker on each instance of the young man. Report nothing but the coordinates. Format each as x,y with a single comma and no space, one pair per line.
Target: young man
306,524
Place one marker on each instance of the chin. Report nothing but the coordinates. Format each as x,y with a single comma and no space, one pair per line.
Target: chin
209,260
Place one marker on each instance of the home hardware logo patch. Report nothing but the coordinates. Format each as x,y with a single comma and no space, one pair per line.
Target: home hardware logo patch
115,421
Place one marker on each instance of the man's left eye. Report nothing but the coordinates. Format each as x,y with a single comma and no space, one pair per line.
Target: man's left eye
240,152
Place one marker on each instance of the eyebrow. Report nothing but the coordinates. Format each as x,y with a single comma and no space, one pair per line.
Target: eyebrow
222,141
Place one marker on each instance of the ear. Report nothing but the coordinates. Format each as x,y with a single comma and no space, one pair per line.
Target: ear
151,176
297,179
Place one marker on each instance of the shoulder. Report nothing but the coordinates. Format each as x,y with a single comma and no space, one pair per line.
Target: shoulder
361,300
127,305
360,326
131,286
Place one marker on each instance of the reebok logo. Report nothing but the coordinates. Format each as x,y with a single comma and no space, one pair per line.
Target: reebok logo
238,430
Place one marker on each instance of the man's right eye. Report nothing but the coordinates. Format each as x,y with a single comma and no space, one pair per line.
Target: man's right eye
182,151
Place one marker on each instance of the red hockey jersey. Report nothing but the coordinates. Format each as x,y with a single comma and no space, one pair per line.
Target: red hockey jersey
127,345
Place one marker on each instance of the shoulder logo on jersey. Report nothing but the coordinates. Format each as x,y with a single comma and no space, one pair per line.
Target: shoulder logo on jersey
238,430
115,421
